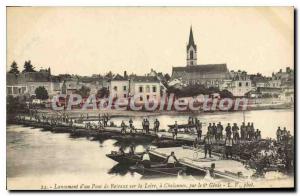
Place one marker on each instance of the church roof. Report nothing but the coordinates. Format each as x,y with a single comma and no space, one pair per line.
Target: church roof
209,68
191,40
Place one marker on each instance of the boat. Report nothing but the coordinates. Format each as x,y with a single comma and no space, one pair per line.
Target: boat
126,158
61,129
182,126
158,170
165,143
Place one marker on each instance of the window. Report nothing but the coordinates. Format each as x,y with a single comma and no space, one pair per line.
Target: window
240,84
125,95
124,88
154,89
191,55
148,89
141,98
148,97
141,89
246,83
115,88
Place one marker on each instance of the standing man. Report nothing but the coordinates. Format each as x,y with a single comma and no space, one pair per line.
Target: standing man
130,123
207,145
156,126
123,127
175,130
214,130
235,131
209,129
243,131
147,125
143,124
228,146
248,131
220,131
278,134
228,130
199,132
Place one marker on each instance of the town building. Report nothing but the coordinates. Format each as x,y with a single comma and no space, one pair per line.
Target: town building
119,87
210,75
26,83
239,84
146,88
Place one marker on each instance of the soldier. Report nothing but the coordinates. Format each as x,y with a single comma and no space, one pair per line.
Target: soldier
228,146
235,131
219,131
214,131
199,132
228,130
278,134
209,129
207,145
252,131
130,123
123,127
156,126
143,124
147,126
243,131
248,131
175,130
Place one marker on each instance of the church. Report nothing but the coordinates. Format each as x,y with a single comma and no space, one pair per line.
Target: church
210,75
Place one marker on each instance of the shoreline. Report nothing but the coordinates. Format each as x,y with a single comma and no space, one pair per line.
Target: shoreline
130,113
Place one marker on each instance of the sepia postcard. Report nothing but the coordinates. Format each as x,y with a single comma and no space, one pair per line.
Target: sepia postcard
150,98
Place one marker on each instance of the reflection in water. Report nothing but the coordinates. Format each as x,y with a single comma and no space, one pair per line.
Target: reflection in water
120,169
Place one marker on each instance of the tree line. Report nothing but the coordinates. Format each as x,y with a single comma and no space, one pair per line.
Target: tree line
28,67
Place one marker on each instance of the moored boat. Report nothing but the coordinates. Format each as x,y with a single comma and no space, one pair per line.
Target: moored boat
125,158
158,170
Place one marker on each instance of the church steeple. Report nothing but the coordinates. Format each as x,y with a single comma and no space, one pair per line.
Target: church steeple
191,39
191,50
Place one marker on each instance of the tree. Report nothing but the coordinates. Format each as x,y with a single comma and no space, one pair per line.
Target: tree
28,67
167,77
103,92
84,91
14,68
41,93
226,94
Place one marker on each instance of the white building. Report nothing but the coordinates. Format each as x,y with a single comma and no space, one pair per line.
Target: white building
146,88
119,87
238,85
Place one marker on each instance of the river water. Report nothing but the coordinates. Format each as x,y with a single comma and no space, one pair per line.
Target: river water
36,158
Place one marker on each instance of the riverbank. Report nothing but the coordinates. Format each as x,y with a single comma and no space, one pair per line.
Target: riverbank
129,113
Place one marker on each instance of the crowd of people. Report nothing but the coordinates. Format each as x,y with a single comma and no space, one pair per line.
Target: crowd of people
145,126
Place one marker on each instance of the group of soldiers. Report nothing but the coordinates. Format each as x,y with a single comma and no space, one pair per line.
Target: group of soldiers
233,134
145,126
244,132
283,135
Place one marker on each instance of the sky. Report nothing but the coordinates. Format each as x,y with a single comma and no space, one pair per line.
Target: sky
95,40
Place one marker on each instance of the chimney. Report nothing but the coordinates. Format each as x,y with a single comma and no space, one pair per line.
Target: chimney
288,69
125,74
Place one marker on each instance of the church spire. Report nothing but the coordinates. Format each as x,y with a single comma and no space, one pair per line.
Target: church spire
191,38
191,50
